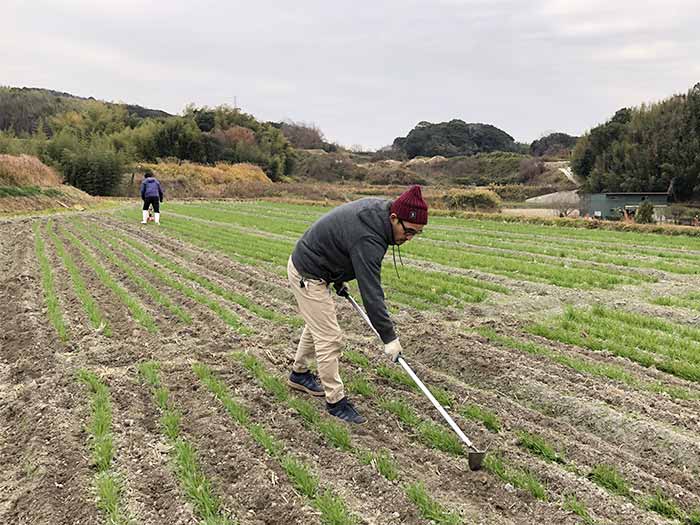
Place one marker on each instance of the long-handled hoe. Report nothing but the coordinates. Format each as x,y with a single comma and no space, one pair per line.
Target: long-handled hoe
476,456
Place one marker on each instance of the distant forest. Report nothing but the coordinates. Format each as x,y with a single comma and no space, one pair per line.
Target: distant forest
455,138
92,142
653,147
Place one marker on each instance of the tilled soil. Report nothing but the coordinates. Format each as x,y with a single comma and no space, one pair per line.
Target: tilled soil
47,474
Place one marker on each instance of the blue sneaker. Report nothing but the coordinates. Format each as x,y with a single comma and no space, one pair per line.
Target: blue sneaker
306,382
345,410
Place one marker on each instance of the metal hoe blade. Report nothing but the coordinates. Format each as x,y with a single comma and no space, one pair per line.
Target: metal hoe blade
476,456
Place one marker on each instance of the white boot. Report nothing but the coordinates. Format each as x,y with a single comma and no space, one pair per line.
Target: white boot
157,218
145,216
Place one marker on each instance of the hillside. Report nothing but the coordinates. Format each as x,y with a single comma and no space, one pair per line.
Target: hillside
92,143
513,176
554,145
455,138
652,147
23,109
187,180
97,146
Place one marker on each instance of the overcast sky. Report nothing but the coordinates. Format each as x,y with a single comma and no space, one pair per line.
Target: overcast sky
364,72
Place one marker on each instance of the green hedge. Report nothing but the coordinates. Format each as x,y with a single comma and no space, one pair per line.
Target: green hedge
476,199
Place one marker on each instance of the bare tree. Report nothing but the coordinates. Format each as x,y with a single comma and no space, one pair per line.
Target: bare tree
302,135
566,203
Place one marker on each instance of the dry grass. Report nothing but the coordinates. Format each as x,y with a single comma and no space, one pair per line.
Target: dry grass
26,170
332,194
198,180
219,174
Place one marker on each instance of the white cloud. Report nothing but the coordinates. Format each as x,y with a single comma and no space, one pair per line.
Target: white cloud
366,72
617,18
643,52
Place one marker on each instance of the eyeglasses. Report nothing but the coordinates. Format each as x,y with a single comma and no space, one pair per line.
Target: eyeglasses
410,232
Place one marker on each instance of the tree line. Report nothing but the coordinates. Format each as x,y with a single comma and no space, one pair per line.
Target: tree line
93,142
455,138
653,147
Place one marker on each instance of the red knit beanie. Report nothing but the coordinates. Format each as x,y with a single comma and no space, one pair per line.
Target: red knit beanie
411,207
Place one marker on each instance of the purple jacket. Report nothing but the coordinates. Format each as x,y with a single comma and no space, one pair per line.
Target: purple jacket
150,187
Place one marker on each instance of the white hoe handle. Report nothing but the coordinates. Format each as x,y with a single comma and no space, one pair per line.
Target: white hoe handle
416,380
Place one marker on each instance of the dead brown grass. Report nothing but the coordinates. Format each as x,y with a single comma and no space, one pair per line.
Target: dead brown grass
188,180
27,170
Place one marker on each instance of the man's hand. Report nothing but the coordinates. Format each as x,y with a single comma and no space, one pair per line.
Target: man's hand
341,289
393,350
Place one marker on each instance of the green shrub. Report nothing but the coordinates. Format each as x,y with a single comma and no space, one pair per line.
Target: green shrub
645,213
473,200
660,504
609,478
397,176
93,166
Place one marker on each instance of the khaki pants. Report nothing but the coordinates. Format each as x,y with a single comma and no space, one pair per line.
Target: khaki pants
321,336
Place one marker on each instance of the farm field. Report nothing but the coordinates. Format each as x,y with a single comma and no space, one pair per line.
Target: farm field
143,369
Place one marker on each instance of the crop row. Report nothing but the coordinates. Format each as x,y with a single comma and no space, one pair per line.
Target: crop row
92,247
657,502
651,342
436,288
108,486
587,366
629,244
690,300
512,260
94,313
50,297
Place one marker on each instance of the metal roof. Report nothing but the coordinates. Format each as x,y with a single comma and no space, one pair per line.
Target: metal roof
635,193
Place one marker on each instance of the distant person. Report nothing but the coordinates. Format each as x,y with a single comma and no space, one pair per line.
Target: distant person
152,195
347,243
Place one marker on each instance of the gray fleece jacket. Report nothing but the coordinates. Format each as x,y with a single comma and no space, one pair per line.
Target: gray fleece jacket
347,243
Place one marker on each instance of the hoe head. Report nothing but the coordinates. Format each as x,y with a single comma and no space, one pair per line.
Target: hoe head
476,458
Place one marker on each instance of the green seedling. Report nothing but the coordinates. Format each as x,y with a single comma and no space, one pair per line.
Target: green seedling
357,359
664,506
381,461
52,305
360,386
538,446
429,508
477,413
610,479
521,479
578,507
